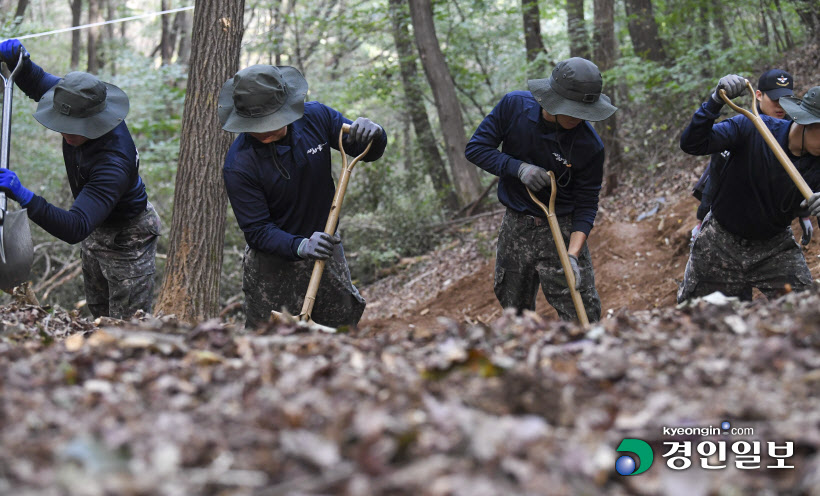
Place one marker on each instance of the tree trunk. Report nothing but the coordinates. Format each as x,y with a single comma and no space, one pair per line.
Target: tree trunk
76,14
21,9
810,17
533,43
438,75
786,30
190,287
606,56
110,50
414,103
166,42
643,29
576,27
93,37
182,26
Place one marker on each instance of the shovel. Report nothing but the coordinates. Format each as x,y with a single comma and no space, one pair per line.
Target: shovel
330,228
787,164
16,250
562,249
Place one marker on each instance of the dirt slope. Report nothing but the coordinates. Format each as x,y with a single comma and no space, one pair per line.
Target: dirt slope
638,265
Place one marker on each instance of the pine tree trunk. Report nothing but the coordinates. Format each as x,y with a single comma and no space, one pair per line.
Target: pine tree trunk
465,174
190,287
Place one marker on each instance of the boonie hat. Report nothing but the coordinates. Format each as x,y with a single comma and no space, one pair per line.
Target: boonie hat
82,104
573,89
262,98
805,111
776,83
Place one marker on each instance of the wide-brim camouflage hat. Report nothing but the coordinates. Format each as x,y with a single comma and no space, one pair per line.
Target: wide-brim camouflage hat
573,89
262,98
805,111
82,104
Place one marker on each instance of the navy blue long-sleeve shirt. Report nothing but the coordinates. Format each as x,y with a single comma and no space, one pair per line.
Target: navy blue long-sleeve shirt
516,124
103,174
757,198
278,203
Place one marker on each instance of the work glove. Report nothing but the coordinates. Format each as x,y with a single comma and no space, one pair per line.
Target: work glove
573,262
733,85
10,52
11,185
363,131
533,177
812,204
318,247
808,230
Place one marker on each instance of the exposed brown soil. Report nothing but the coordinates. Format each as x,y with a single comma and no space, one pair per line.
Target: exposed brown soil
638,265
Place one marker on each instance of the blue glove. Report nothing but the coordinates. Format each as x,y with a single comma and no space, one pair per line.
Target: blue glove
573,262
363,131
318,247
10,52
11,185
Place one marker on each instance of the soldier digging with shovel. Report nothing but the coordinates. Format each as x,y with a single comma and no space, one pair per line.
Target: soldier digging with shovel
543,130
278,178
746,240
111,214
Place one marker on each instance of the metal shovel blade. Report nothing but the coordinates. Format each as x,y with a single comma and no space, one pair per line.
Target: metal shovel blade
16,244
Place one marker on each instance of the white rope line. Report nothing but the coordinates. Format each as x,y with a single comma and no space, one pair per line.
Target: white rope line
84,26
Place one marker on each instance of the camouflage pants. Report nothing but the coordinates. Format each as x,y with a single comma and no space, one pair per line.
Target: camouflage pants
273,283
526,256
118,266
722,261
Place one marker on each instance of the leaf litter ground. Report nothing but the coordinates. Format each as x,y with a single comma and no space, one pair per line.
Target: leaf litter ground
437,393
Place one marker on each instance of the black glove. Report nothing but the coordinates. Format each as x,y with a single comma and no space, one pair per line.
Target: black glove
363,130
808,230
733,85
10,52
318,247
573,261
535,178
812,204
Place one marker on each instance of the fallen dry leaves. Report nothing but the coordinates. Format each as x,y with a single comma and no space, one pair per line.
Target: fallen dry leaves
520,406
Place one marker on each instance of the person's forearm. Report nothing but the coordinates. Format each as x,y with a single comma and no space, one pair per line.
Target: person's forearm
576,243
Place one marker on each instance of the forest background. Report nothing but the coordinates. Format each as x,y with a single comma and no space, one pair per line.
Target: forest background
378,58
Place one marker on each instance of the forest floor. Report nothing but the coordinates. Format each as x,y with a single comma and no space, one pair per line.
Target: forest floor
438,392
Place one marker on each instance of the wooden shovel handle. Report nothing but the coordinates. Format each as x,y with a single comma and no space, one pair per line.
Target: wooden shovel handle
332,222
562,249
787,164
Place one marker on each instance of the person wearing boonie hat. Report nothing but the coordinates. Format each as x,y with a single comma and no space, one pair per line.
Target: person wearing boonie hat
746,240
546,129
772,85
111,214
278,179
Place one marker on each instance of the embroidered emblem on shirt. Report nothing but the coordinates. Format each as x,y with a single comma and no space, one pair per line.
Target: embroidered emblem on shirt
317,148
559,158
